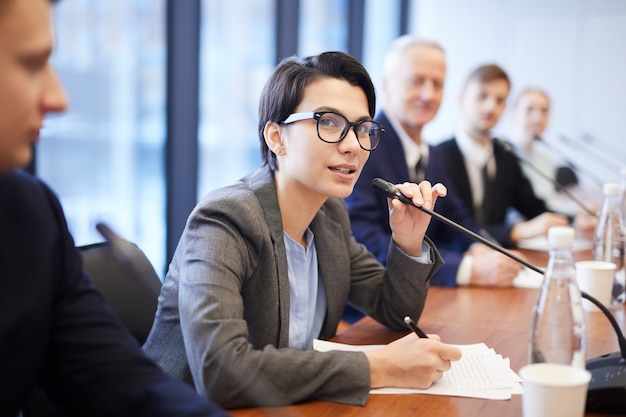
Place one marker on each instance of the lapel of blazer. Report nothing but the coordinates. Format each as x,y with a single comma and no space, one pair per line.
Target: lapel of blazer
496,207
459,171
391,153
490,203
262,184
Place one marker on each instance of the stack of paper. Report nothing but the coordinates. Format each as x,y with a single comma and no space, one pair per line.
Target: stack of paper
481,373
528,278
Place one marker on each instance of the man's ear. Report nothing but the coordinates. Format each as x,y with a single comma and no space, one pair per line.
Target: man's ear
273,137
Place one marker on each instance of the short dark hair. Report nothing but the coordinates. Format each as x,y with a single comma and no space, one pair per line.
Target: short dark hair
487,73
284,89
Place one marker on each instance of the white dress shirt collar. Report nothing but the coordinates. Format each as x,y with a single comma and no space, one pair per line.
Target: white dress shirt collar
412,151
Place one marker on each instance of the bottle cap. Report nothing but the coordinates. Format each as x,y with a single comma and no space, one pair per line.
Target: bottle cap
610,189
561,237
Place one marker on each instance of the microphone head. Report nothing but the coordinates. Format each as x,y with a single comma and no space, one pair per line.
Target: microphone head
384,187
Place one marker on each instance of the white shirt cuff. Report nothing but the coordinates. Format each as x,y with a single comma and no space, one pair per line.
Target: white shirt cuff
425,256
464,273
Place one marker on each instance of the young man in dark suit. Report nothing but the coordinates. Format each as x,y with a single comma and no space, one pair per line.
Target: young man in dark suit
485,175
56,330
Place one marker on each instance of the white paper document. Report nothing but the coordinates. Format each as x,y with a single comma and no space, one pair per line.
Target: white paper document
480,373
528,278
540,243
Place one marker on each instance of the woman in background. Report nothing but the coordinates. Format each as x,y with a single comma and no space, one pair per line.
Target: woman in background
529,119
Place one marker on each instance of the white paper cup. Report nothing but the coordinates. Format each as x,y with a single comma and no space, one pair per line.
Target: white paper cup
554,390
596,279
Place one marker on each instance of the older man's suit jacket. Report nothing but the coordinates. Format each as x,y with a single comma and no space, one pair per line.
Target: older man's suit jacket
225,301
511,189
369,211
56,330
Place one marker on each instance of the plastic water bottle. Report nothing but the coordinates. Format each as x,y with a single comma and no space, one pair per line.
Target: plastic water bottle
608,242
558,327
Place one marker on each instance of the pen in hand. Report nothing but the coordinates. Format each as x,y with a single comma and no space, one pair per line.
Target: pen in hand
413,326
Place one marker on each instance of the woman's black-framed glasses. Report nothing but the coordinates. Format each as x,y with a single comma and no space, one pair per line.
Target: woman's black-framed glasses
334,127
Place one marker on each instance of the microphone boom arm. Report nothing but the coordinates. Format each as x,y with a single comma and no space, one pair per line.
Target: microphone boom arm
573,166
560,186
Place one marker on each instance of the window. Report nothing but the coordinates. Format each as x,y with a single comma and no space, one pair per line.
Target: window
323,26
381,27
237,51
104,157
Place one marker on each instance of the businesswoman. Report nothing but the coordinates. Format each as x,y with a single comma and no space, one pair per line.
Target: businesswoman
266,265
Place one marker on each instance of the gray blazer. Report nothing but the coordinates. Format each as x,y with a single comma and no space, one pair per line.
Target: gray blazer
223,315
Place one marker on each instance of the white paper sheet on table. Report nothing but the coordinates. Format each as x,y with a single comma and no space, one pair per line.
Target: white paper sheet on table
481,373
528,278
540,243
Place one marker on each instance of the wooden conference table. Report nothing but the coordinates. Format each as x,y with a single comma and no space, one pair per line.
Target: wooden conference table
498,317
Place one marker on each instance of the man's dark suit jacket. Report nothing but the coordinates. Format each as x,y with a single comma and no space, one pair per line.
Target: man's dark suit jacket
512,190
369,212
56,330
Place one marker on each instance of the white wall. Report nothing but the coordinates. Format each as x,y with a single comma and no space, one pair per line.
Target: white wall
575,49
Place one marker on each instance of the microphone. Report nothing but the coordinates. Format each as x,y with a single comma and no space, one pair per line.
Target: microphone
508,147
587,137
570,164
614,165
608,372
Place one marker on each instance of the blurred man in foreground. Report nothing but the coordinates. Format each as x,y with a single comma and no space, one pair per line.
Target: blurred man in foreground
56,330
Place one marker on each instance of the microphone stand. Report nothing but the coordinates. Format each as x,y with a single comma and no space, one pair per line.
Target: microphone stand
588,138
570,164
613,164
608,372
508,147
